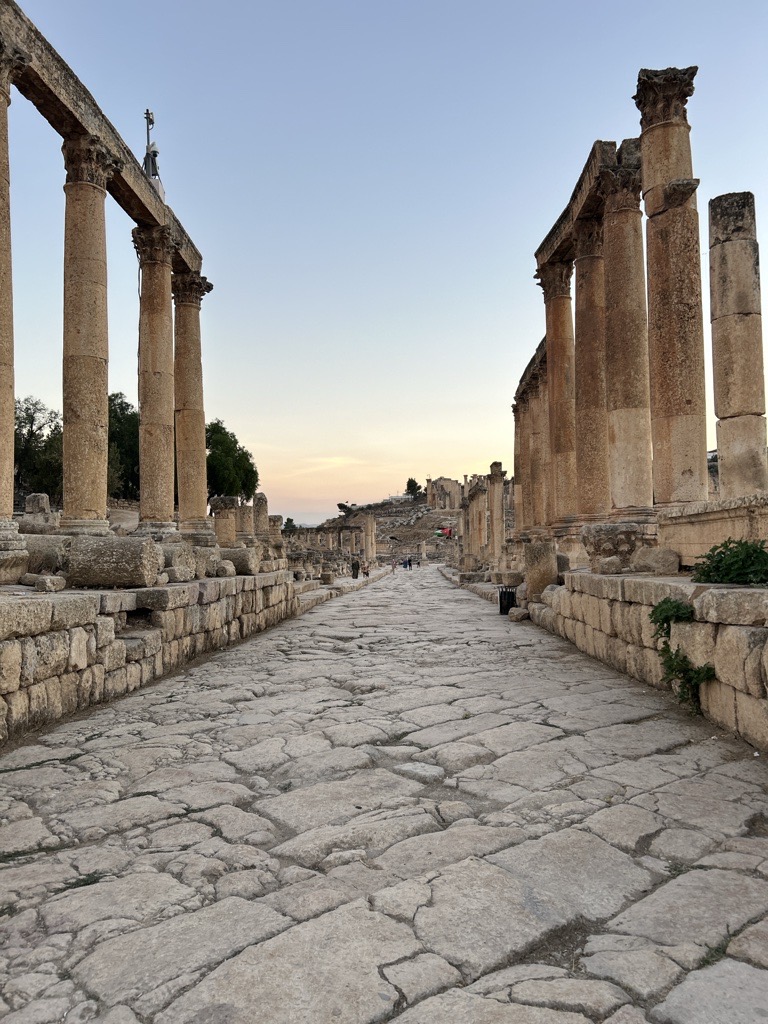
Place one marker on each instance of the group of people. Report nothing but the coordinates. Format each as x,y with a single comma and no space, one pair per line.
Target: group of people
356,567
407,563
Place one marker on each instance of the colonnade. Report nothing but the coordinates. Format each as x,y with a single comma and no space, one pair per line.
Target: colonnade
610,412
171,409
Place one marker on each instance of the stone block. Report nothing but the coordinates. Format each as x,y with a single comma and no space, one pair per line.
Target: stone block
718,702
113,562
225,568
69,610
78,649
209,590
653,670
738,607
659,561
68,683
24,616
17,720
50,584
752,719
52,655
178,595
10,666
132,676
97,686
738,652
147,670
105,630
134,648
648,590
85,688
115,683
227,587
38,706
181,623
696,640
166,623
180,574
112,657
13,565
617,653
579,635
114,601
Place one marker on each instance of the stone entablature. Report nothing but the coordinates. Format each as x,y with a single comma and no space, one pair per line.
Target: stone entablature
607,617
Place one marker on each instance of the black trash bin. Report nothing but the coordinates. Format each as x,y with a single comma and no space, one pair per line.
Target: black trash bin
506,600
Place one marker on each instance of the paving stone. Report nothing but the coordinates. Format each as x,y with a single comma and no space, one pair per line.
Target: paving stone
121,815
480,916
329,802
624,826
499,981
144,967
706,905
728,991
751,945
458,1007
25,836
683,845
423,853
136,897
425,773
642,972
577,873
595,998
326,969
456,730
423,976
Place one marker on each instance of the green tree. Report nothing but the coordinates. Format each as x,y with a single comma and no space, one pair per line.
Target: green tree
413,488
38,448
289,526
123,467
231,470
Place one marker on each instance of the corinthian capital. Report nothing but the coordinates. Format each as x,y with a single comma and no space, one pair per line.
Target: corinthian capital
588,236
190,288
620,188
88,160
12,61
662,95
153,243
555,279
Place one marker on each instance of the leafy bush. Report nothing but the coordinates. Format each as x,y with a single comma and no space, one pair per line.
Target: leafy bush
734,561
668,611
679,671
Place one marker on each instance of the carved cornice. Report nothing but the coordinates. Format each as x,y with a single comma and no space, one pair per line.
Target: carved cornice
555,279
190,288
588,236
12,61
87,160
620,187
662,95
153,243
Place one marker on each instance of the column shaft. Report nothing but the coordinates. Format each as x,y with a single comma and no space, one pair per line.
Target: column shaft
626,349
156,380
86,347
590,402
495,513
191,471
737,345
555,279
675,328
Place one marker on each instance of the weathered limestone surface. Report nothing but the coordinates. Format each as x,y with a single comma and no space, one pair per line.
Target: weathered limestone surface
498,829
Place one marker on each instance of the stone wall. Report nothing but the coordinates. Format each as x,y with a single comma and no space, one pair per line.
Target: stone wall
607,617
60,653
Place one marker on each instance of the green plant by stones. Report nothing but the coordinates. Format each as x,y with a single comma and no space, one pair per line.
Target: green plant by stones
734,561
666,612
682,675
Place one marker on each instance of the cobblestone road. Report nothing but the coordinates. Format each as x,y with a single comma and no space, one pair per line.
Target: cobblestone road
400,806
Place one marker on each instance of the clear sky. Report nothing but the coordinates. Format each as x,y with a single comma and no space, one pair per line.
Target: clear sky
367,181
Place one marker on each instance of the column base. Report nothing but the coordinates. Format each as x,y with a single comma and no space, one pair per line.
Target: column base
198,532
165,532
633,514
14,557
84,527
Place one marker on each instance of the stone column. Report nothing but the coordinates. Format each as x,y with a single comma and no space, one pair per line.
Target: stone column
591,413
496,514
261,517
13,557
520,410
737,345
369,538
224,510
191,466
89,167
626,342
244,521
555,280
541,510
675,328
156,383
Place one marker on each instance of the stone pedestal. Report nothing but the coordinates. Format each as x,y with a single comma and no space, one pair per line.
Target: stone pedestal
89,167
590,399
14,557
244,523
626,340
156,382
675,329
555,280
737,345
225,520
540,558
191,467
